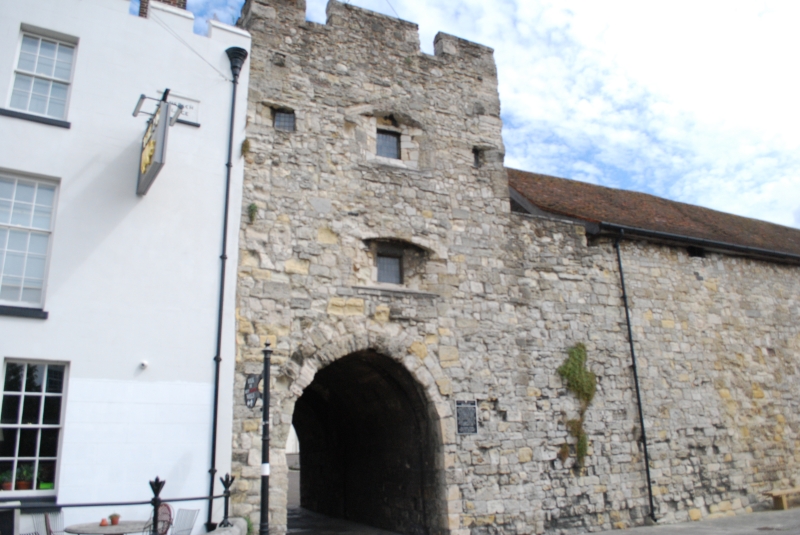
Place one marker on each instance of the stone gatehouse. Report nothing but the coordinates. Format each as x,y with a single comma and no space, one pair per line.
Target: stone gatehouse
381,258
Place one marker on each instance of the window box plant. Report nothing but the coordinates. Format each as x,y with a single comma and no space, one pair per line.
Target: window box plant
24,477
6,480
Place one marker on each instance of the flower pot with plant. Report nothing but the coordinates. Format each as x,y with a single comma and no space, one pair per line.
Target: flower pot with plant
114,518
6,479
24,477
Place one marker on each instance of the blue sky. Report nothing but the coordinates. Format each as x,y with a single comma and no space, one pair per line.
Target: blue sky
692,101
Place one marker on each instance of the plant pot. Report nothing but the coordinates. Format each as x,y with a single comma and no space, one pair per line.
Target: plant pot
6,485
46,486
114,520
24,485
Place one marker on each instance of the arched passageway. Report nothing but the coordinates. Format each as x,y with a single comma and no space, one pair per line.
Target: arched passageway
369,446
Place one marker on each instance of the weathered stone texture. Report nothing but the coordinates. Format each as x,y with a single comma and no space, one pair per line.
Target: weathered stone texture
499,299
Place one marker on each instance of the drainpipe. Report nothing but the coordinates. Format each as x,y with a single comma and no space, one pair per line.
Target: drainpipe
635,377
236,56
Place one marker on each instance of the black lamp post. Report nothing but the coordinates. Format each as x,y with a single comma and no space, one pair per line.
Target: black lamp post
264,529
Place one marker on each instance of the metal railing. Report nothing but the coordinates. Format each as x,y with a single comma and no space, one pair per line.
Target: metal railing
156,486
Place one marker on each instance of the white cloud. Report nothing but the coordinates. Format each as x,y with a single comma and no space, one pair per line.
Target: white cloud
691,101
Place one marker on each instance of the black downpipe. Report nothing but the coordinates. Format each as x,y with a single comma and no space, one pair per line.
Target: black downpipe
236,56
635,378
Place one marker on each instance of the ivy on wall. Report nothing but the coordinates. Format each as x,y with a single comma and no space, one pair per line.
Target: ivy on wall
583,384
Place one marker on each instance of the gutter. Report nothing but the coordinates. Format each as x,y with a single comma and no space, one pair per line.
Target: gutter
700,242
237,56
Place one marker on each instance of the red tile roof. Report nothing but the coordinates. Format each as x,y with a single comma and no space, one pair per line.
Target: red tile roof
632,209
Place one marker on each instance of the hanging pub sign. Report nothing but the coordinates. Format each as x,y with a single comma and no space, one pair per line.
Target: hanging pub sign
467,417
154,148
251,393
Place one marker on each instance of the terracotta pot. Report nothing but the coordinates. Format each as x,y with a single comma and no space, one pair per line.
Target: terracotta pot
24,485
6,485
114,519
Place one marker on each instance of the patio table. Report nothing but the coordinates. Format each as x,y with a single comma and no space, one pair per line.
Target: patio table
94,528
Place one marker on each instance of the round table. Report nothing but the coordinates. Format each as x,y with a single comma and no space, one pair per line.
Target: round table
94,528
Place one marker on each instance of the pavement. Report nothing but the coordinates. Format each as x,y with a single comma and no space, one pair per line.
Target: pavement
304,522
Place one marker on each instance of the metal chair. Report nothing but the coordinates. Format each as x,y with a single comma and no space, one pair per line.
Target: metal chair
184,521
48,523
164,521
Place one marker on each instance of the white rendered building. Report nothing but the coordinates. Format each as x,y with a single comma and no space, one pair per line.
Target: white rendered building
109,299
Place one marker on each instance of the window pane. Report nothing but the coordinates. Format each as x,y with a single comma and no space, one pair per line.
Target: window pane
21,215
13,264
284,121
10,414
31,292
25,192
34,267
8,442
49,444
25,476
47,475
10,288
55,379
64,62
14,377
27,442
45,195
35,378
38,102
52,410
57,109
389,145
18,240
6,188
6,475
22,92
30,409
27,62
5,211
47,56
30,45
41,217
38,243
389,269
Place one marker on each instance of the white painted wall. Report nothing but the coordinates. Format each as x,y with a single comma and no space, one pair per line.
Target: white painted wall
132,278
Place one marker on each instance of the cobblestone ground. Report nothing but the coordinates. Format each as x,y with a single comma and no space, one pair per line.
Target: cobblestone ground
303,522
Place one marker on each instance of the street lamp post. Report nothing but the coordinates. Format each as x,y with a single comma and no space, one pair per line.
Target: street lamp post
264,528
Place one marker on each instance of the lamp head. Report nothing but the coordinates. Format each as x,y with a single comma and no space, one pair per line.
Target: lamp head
236,55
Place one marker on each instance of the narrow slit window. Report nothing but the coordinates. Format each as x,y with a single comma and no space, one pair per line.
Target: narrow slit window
388,144
284,120
477,157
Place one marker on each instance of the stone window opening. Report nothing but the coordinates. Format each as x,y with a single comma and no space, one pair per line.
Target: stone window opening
696,252
283,119
389,261
477,158
397,262
388,144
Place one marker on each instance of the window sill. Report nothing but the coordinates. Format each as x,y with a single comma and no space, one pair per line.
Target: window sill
23,312
387,289
34,118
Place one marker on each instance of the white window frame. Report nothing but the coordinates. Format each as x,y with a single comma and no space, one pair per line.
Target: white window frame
14,493
48,35
17,177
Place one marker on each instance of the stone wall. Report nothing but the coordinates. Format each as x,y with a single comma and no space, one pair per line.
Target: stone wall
495,302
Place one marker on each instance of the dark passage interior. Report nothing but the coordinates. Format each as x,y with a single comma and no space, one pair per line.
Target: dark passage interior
368,446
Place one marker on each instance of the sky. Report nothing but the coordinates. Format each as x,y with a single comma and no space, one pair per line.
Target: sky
697,102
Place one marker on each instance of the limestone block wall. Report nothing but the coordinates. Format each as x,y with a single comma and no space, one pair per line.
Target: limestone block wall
494,304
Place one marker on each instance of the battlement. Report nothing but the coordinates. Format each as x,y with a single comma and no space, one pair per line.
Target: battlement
367,29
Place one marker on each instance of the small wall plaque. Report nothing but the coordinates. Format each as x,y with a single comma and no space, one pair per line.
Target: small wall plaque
251,393
467,417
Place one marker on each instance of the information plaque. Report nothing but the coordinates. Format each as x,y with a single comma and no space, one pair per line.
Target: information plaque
251,393
467,417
